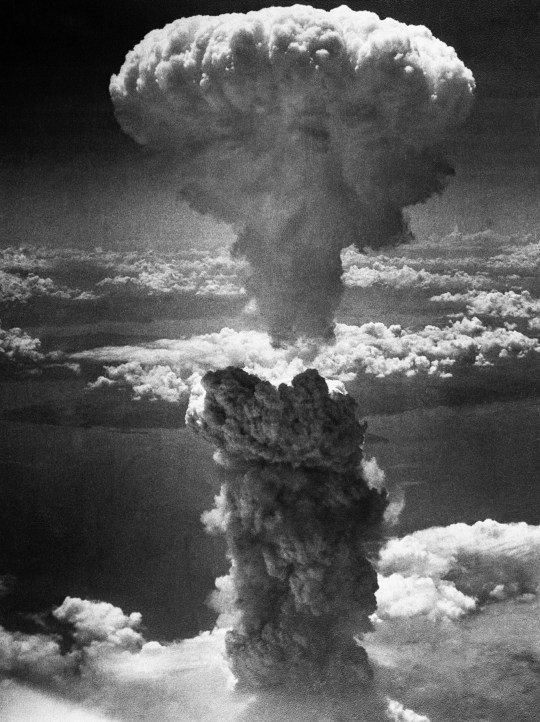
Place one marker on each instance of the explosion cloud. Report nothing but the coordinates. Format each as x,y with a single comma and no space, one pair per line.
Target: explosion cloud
297,514
306,130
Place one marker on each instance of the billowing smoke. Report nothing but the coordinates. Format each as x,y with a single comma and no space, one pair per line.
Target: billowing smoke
306,130
297,515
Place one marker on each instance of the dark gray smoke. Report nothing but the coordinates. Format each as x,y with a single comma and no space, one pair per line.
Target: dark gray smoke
306,130
297,515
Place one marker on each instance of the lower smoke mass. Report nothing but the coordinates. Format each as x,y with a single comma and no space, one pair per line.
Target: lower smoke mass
297,516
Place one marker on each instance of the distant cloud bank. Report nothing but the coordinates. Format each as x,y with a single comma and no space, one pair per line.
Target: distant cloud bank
70,274
169,369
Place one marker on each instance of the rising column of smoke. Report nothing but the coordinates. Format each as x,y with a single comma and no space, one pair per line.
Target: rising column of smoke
296,513
307,130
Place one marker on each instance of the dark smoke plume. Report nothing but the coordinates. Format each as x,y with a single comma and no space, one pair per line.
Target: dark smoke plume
296,514
306,130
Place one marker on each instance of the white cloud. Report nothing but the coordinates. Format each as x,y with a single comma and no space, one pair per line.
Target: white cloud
508,304
113,674
406,277
372,473
522,260
172,363
401,596
480,261
103,274
146,382
100,622
23,288
442,572
383,350
167,368
396,712
98,629
210,275
21,354
17,347
34,655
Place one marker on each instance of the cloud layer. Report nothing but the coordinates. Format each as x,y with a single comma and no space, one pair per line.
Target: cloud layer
170,370
114,274
499,304
457,262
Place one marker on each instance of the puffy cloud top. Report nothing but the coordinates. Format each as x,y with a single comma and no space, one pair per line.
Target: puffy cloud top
16,346
206,77
443,572
100,622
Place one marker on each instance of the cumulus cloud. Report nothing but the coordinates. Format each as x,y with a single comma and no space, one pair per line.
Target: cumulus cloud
429,647
100,622
67,275
22,355
521,260
158,367
116,275
146,382
93,629
171,369
187,680
14,288
296,513
383,350
18,349
399,596
458,261
405,277
307,130
444,572
216,275
98,666
508,304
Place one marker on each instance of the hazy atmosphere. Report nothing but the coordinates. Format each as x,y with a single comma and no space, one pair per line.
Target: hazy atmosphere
270,362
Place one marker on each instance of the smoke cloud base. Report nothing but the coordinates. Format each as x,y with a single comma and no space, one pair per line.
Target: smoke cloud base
297,514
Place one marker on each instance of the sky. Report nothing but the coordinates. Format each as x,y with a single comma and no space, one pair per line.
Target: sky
119,292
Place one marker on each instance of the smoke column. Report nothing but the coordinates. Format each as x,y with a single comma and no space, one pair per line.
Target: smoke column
306,130
296,514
